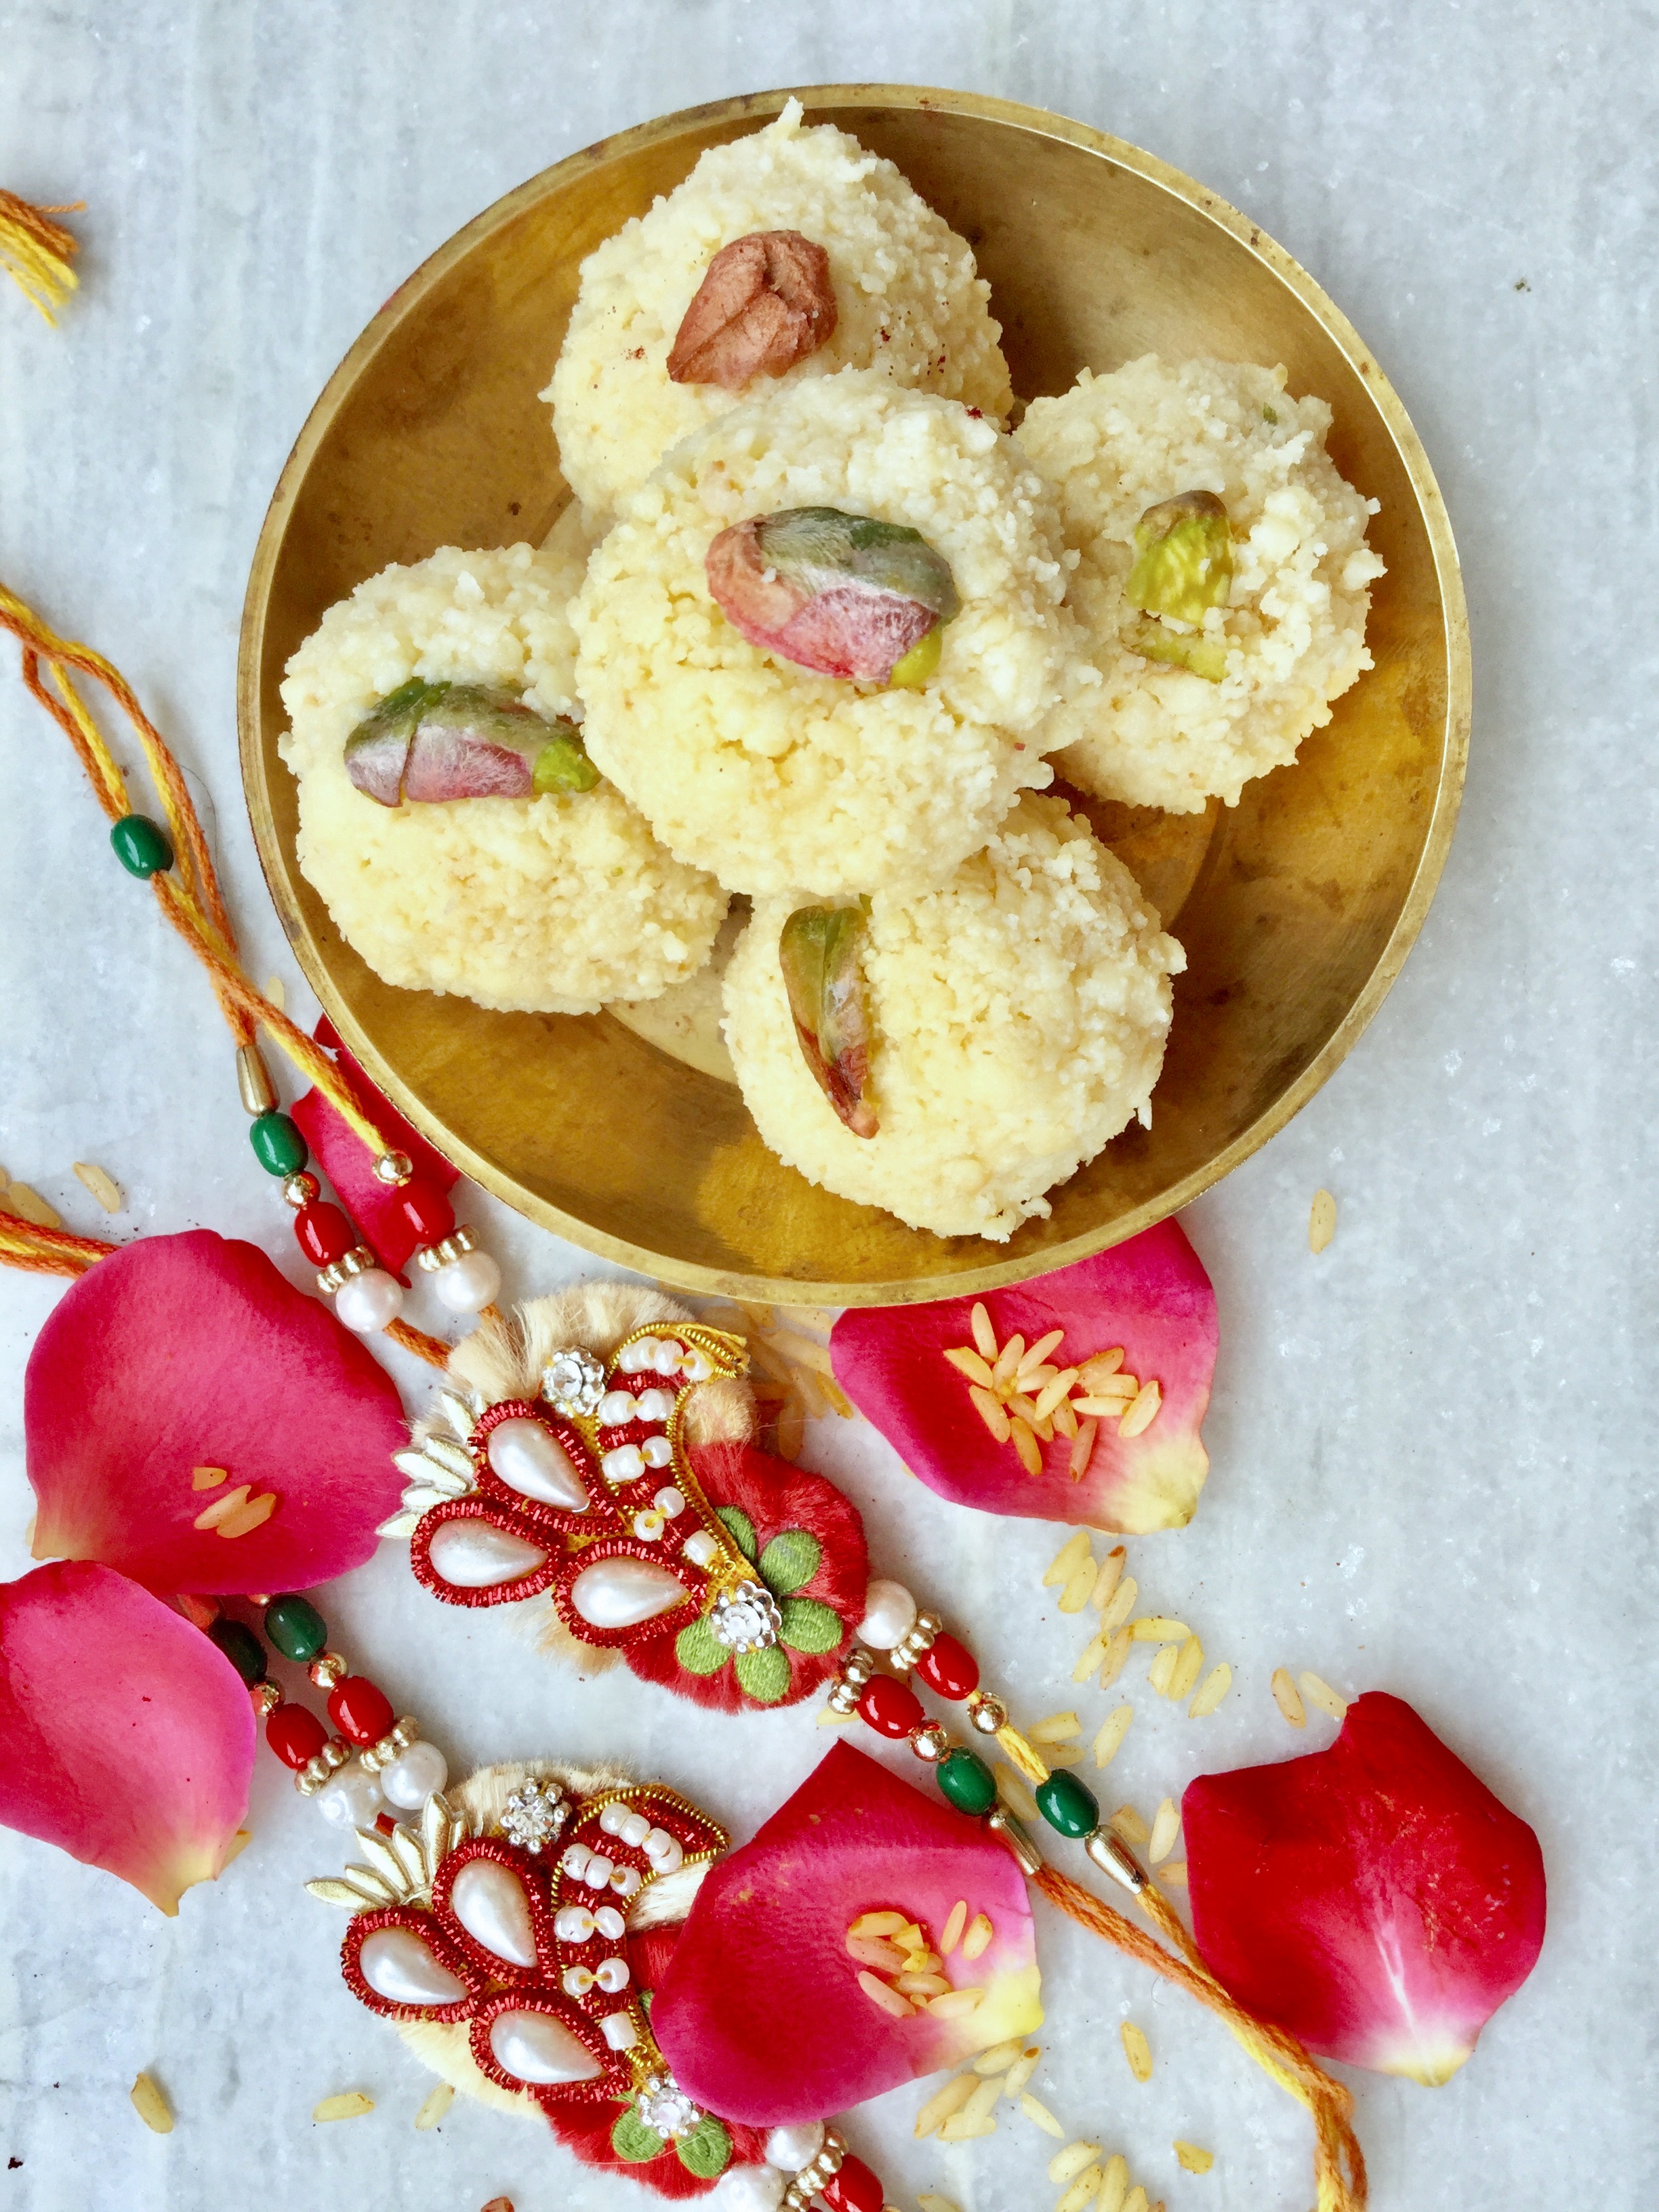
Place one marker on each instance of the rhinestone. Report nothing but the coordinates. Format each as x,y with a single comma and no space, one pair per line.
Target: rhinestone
746,1618
573,1382
535,1815
665,2107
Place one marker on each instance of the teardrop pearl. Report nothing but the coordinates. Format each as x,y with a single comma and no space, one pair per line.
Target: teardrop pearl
474,1554
490,1904
533,2046
397,1965
536,1465
621,1592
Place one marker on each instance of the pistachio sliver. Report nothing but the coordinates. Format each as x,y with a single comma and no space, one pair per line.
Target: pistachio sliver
1200,652
841,594
1183,563
818,951
377,752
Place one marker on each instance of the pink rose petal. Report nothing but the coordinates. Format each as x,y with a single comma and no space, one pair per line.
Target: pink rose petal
341,1155
129,1738
760,2013
1150,1295
1374,1898
192,1351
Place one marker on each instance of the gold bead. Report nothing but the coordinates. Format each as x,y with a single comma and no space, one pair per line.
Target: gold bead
253,1080
930,1743
300,1189
987,1714
1002,1822
395,1168
327,1668
1113,1857
264,1696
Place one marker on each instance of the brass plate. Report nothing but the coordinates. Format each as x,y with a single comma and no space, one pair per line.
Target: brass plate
1302,903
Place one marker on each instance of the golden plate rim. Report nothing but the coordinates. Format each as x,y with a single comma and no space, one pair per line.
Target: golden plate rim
276,861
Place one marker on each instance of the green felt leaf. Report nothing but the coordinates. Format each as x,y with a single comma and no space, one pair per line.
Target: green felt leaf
764,1674
631,2139
706,2150
789,1560
810,1627
699,1650
741,1527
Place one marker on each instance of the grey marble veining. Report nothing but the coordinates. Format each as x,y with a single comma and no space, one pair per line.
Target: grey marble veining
1432,1447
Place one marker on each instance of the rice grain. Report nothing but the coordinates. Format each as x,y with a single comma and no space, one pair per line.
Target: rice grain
1106,1582
1194,2160
1083,2191
1322,1221
1114,2183
1066,2165
984,1335
1217,1683
1143,1410
1067,1560
1288,1699
1137,2050
1055,1728
1188,1659
1122,1605
1037,2111
150,2105
1112,1729
439,2102
955,1921
1116,1652
885,1998
351,2104
104,1187
1320,1693
1128,1823
1166,1826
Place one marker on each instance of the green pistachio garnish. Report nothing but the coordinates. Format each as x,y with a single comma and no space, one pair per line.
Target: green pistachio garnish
818,951
1183,562
433,742
1204,655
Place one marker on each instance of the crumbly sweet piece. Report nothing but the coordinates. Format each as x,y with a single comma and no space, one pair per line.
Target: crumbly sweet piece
1290,636
778,779
1019,1015
907,299
553,903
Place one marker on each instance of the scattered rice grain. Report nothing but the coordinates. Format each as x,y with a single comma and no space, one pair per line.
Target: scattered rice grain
984,1335
1322,1221
1040,1350
1083,1449
1099,1366
1122,1604
956,2004
1055,1728
253,1515
981,2099
1160,1628
1217,1683
1163,1668
1143,1410
1000,2057
1317,1692
1030,1452
1166,1826
1093,1652
919,1983
1128,1823
955,1921
928,2203
1114,2183
1194,2160
104,1187
990,1411
977,1941
1173,1870
1066,2165
1136,2200
151,2105
875,1951
1188,1659
1015,1795
879,1924
885,1998
1006,1364
1035,2110
960,2129
1137,2050
1106,1582
1054,1391
1288,1698
351,2104
222,1508
1113,1730
1083,2191
970,1364
1116,1652
1065,1422
444,2095
1067,1560
29,1206
1021,2071
207,1478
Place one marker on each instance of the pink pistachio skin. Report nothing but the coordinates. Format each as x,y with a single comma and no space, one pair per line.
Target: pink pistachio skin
340,1154
1150,1295
129,1739
192,1351
760,2013
1374,1898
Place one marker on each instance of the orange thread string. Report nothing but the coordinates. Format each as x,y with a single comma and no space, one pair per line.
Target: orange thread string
36,252
432,1349
1339,2162
40,1251
188,893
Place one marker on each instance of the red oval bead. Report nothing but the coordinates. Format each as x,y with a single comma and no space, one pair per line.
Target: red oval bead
890,1708
853,2189
426,1211
324,1232
295,1735
361,1712
949,1667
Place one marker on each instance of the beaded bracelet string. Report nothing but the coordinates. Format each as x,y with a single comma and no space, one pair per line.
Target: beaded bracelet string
494,1484
462,1920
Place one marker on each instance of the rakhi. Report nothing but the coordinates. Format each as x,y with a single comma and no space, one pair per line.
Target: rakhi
551,1479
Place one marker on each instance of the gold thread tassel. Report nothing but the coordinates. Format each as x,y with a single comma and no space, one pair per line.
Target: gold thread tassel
35,252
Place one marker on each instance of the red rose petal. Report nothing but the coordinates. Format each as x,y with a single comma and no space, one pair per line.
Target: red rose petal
192,1351
760,2013
128,1737
1376,1899
1150,1295
340,1154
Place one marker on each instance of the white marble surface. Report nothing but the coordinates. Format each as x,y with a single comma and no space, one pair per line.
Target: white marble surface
1431,1449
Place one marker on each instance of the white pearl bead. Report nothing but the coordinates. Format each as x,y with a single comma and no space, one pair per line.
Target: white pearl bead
474,1554
613,1976
622,1465
634,1358
619,2031
533,2046
664,1851
610,1923
695,1367
489,1902
369,1300
790,2149
747,2189
635,1829
414,1776
597,1873
535,1464
465,1285
670,1503
619,1592
610,1821
574,1859
654,1404
578,1980
626,1881
700,1547
616,1407
350,1799
573,1923
889,1614
666,1357
657,1451
397,1964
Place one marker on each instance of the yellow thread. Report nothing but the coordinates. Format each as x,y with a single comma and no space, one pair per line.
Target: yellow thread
1021,1753
36,252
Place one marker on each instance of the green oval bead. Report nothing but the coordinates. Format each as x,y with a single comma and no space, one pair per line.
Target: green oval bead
967,1781
142,847
277,1145
1064,1804
242,1648
295,1627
